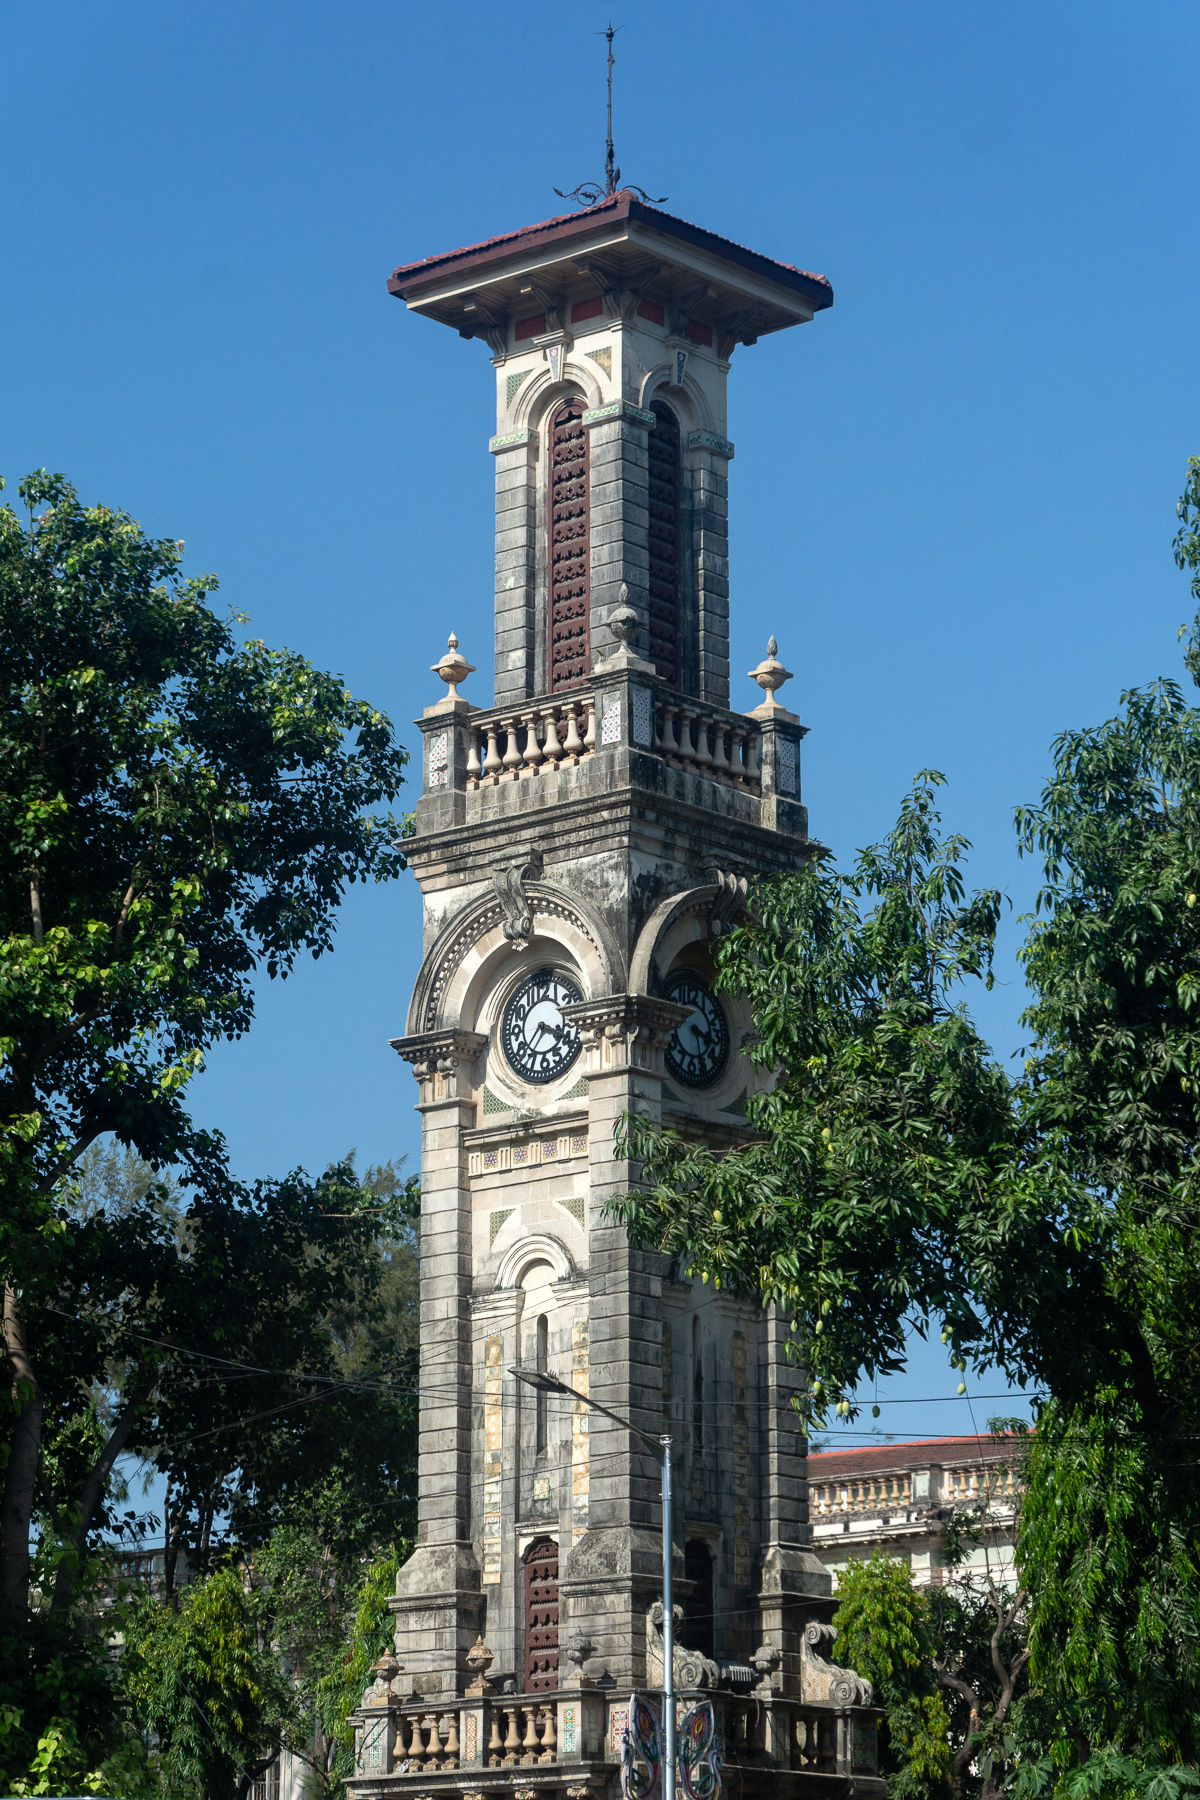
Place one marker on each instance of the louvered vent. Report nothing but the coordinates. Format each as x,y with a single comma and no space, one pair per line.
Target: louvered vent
569,534
665,545
541,1616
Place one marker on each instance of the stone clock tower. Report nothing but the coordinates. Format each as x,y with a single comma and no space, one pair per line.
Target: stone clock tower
580,845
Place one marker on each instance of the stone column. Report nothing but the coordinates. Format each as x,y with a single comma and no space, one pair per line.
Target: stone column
709,458
794,1582
620,514
438,1602
516,565
614,1571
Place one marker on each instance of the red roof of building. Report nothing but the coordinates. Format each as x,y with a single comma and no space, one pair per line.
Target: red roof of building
823,1464
621,205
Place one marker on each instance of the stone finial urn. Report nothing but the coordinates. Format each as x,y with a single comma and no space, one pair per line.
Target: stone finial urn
770,676
452,668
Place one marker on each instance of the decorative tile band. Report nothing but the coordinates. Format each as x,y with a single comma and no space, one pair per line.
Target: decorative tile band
705,440
579,1091
785,766
643,716
602,358
439,760
493,1456
580,1473
620,409
497,1222
492,1105
500,1158
512,383
741,1466
576,1208
511,440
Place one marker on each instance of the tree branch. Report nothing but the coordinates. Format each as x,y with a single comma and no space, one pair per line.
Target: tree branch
93,1488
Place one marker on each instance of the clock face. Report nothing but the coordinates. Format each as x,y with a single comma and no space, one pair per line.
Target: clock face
539,1043
699,1048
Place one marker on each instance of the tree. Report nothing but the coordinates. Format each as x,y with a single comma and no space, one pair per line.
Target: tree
201,1680
894,1175
178,811
883,1632
372,1634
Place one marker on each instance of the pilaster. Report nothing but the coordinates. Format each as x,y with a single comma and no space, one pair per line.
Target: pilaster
438,1604
516,564
620,512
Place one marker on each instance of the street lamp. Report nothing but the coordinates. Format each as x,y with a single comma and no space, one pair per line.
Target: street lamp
661,1445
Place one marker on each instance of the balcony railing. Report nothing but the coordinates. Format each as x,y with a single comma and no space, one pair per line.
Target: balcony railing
538,738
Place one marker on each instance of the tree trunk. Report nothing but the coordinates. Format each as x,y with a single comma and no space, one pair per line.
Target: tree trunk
16,1511
89,1499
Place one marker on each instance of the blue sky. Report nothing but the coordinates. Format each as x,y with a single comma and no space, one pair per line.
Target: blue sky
953,496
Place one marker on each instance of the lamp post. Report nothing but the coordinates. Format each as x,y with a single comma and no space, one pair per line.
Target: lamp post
661,1445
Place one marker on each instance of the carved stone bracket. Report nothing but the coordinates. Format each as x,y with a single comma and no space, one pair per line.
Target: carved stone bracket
438,1058
822,1680
508,880
625,1031
729,902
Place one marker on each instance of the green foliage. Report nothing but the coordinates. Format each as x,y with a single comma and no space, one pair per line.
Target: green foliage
340,1690
199,1678
859,1207
64,1726
1050,1221
177,810
883,1632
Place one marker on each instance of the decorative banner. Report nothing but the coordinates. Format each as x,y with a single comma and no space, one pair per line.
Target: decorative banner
641,1751
700,1753
681,357
553,355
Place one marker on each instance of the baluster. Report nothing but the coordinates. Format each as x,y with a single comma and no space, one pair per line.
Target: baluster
703,759
574,743
512,1742
416,1748
534,755
474,767
491,762
589,736
512,755
434,1748
450,1747
673,735
495,1749
662,718
683,731
753,770
720,762
737,738
550,1735
529,1742
551,749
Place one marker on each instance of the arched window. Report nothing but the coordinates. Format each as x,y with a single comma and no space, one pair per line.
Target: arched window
698,1613
569,535
697,1389
543,1364
666,545
541,1616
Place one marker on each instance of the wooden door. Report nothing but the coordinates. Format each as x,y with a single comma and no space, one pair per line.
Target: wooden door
541,1616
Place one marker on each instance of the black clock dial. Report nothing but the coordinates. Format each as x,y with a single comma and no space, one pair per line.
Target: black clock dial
699,1048
538,1042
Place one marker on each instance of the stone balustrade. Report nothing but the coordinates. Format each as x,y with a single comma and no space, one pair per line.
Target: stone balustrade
970,1484
541,737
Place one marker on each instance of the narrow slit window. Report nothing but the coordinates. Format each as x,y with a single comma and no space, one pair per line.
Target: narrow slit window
543,1363
697,1389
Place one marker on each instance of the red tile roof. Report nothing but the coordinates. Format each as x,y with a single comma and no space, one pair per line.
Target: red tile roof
623,204
823,1464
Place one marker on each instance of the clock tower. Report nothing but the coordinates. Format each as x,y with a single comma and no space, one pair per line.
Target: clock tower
580,844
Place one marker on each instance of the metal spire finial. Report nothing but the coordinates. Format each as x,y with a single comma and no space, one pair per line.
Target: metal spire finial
590,193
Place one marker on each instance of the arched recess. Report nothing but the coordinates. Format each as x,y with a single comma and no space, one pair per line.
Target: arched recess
689,400
534,1248
541,393
455,971
682,919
